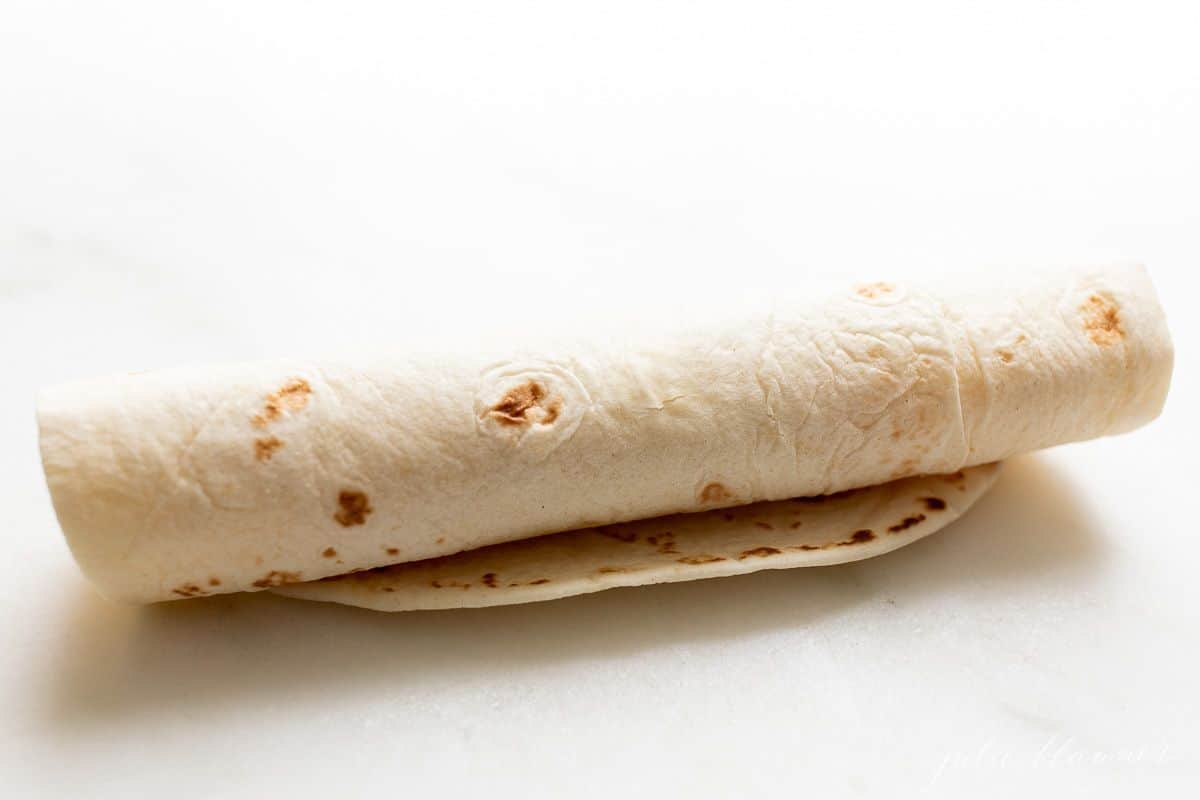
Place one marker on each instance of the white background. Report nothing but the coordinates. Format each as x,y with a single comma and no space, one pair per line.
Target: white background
201,181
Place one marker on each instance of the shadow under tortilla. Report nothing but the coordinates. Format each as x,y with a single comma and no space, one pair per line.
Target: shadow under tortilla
240,651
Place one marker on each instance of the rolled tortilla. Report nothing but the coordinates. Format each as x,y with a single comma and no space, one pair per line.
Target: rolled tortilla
250,476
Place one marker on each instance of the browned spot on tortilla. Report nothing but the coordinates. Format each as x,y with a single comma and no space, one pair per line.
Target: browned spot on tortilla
860,536
514,584
954,477
513,408
329,552
353,507
665,542
189,590
276,578
214,581
291,397
766,526
1005,355
610,570
897,433
761,552
258,560
795,525
614,532
539,581
873,291
934,503
392,551
265,447
906,523
1101,320
448,583
388,589
807,547
715,493
489,580
700,559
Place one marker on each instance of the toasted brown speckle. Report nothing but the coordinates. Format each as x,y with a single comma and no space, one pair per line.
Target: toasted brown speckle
276,578
489,580
440,540
715,493
860,536
760,552
388,589
934,503
291,397
1005,355
392,551
906,523
611,570
1101,320
873,291
265,447
795,525
539,581
700,559
353,508
214,581
513,409
766,526
448,583
329,552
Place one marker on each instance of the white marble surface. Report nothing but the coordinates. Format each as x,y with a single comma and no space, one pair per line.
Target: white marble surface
194,182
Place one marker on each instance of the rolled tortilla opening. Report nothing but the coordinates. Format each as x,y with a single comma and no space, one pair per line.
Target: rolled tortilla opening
243,477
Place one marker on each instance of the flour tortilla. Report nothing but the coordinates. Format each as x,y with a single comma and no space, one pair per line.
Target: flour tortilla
243,477
806,532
